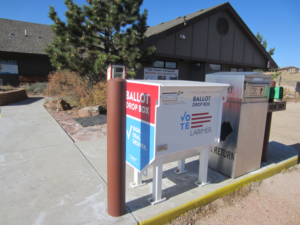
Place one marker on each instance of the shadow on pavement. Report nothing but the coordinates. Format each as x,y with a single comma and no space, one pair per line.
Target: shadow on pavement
181,183
186,182
27,101
279,152
297,148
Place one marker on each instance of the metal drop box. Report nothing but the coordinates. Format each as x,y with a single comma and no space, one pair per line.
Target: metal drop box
243,122
168,120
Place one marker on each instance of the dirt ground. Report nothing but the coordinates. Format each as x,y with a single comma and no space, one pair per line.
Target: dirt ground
272,201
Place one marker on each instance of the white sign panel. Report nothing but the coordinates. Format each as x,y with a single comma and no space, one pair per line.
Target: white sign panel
189,118
160,74
8,67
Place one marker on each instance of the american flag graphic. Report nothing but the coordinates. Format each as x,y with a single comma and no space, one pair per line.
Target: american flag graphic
199,118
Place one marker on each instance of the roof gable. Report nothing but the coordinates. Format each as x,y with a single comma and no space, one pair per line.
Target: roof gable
207,44
38,35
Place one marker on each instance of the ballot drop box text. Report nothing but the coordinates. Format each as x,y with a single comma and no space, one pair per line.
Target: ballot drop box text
169,121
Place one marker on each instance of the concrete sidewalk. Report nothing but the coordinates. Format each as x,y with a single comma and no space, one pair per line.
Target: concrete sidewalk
48,179
44,178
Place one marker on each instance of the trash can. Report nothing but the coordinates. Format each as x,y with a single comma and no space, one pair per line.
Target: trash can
170,120
243,122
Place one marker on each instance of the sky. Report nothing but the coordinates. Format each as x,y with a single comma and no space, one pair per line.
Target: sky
277,20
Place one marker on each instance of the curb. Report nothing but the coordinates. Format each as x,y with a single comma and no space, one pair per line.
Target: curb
262,174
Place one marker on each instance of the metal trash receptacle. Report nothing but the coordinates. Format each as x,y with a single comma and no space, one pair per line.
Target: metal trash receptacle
243,122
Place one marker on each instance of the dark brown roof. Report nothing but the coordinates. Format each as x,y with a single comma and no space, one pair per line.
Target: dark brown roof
18,42
179,20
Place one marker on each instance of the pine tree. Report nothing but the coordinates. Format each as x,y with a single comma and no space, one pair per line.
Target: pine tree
102,32
264,43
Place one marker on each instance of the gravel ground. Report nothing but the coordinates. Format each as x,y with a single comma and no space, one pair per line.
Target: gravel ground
273,201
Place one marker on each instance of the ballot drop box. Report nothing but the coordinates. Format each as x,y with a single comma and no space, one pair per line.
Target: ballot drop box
243,122
169,121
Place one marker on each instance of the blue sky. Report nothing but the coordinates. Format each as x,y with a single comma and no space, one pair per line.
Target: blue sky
277,20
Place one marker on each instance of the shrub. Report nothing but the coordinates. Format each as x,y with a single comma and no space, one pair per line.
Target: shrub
35,88
76,90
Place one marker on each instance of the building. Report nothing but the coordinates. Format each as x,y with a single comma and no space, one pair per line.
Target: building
288,69
187,48
22,53
209,40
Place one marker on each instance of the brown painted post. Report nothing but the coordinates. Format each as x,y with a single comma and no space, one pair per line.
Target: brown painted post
264,155
116,126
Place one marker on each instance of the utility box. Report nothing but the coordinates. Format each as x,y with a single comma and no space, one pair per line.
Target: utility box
276,93
243,122
116,70
170,120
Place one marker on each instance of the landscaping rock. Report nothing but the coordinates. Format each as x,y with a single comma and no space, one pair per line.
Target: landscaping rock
51,105
90,111
63,105
84,113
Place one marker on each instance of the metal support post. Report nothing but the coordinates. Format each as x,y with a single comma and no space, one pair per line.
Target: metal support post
157,183
180,167
264,155
203,167
116,126
138,180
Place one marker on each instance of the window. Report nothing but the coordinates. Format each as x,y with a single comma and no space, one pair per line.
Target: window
159,64
215,67
237,69
165,64
171,65
196,66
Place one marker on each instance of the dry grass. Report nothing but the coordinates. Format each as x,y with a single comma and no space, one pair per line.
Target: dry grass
35,88
6,88
197,214
288,81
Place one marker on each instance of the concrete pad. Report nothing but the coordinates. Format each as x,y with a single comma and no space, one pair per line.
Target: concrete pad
45,179
24,117
285,126
29,137
29,112
52,185
27,125
179,190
